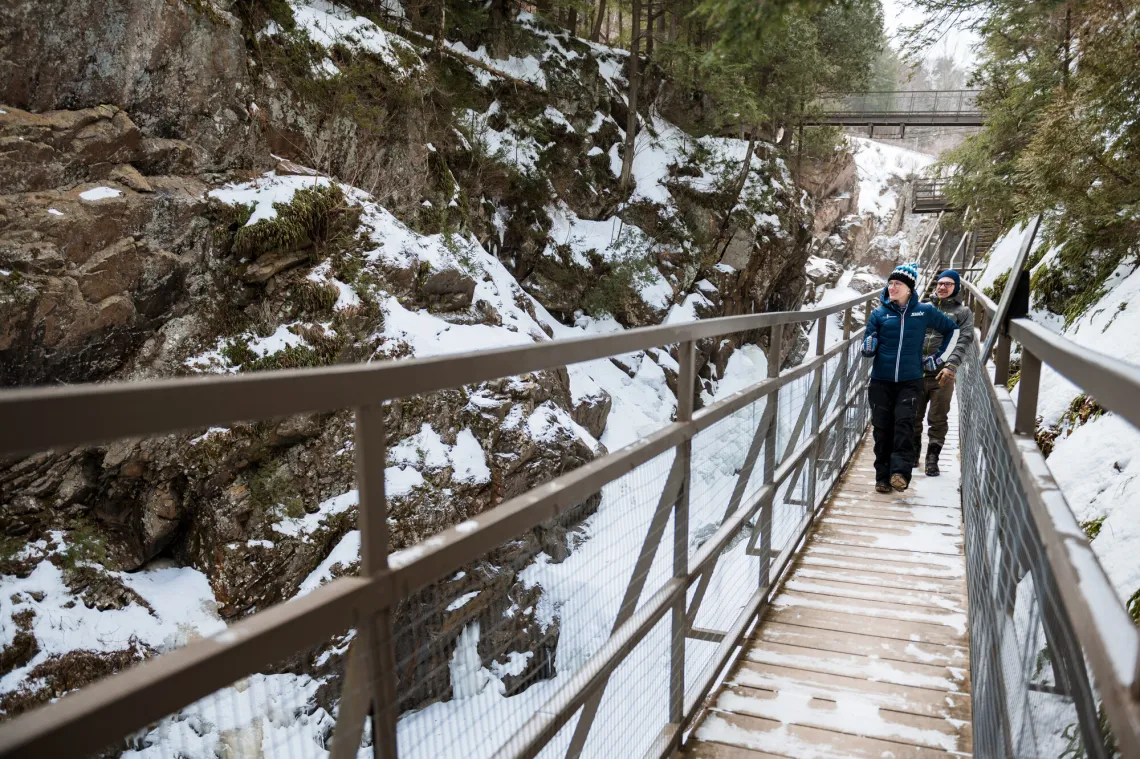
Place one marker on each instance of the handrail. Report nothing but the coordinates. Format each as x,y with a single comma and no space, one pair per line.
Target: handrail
1114,383
88,720
40,418
1106,633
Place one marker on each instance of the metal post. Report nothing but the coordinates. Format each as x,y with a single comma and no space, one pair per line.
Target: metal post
775,350
816,402
1030,383
1001,359
376,633
686,381
843,379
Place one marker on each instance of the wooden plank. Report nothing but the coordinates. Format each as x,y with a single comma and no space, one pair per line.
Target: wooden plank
797,740
918,599
850,713
884,628
933,540
899,698
914,675
864,524
702,750
895,510
892,569
954,621
882,579
904,562
864,645
870,515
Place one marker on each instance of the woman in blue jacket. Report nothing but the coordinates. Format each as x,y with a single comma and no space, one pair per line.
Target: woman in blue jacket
895,333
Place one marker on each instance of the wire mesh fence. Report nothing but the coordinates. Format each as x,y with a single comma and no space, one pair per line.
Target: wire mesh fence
587,626
288,711
1032,693
485,653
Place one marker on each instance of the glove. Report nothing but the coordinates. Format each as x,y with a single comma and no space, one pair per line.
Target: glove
931,364
946,376
870,345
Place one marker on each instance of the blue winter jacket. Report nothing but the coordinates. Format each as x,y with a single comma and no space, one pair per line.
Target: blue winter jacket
895,335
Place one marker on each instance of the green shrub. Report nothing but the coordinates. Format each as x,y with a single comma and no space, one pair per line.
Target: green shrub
320,216
1092,527
612,292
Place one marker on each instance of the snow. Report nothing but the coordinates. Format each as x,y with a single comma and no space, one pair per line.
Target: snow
426,450
181,598
328,25
306,525
877,164
1003,254
345,553
263,192
55,212
282,338
100,193
462,601
508,146
432,336
399,481
527,69
554,115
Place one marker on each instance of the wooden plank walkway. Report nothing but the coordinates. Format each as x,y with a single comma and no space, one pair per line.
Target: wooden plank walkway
864,651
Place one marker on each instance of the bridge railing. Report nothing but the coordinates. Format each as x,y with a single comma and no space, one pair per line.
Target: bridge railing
729,490
903,102
1054,654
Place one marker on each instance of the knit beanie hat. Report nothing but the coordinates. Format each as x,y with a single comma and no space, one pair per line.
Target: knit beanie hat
905,273
954,276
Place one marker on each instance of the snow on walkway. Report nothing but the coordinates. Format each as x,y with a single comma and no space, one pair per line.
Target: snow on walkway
864,652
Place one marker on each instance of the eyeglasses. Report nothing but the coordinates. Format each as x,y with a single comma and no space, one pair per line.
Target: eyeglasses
946,283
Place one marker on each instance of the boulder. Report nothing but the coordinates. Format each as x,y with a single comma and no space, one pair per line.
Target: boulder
593,411
178,68
448,290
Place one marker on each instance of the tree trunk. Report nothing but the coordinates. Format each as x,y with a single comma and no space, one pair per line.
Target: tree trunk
1068,48
500,17
648,30
572,21
441,29
634,86
596,32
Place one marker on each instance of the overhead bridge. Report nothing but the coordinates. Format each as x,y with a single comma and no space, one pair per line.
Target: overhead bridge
898,108
741,590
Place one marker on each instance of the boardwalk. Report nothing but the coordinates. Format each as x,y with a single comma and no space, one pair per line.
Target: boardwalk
864,651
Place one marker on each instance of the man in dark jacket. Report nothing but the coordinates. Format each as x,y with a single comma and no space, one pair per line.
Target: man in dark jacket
894,338
938,384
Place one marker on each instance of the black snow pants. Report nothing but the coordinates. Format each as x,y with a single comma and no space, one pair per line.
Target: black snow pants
894,406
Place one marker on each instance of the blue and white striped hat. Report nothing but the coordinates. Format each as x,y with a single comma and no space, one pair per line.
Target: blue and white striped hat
905,273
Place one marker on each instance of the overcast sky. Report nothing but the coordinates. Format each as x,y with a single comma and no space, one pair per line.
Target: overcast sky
958,43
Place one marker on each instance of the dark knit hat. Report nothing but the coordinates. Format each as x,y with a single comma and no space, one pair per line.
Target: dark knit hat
905,273
954,276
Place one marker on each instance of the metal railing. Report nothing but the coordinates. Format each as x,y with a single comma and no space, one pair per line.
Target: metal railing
929,195
915,107
1054,654
788,437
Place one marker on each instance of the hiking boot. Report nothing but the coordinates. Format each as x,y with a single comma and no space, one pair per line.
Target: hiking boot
932,460
882,487
898,482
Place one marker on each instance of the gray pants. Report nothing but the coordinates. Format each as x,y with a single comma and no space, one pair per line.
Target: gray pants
934,405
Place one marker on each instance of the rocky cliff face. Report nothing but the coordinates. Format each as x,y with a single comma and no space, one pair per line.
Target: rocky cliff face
196,186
